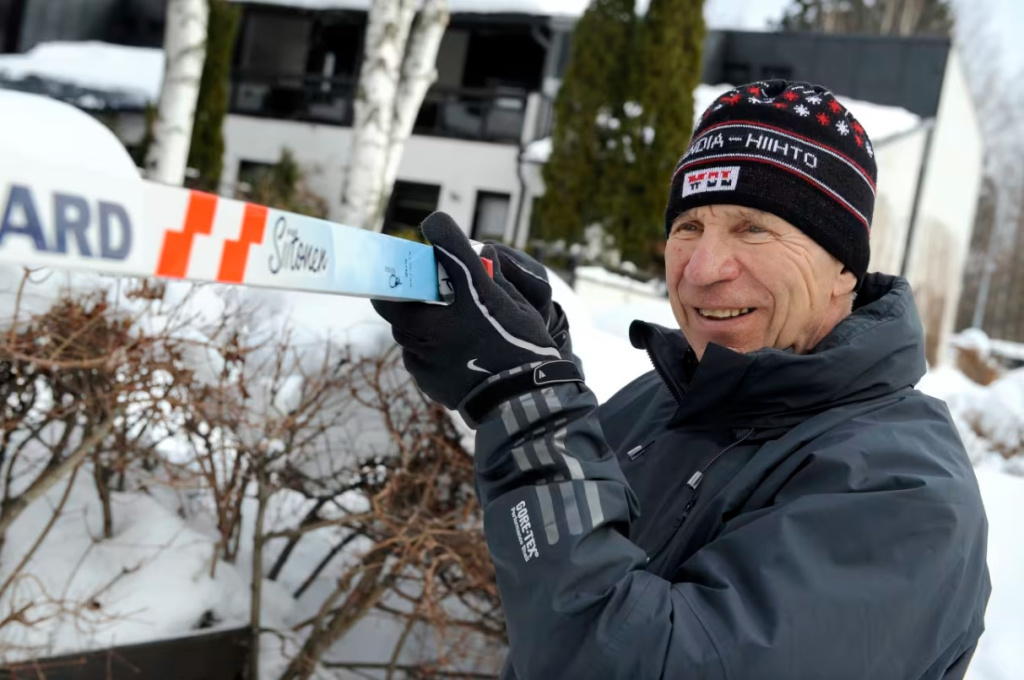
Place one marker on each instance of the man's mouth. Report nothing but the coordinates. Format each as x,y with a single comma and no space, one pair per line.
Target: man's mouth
719,314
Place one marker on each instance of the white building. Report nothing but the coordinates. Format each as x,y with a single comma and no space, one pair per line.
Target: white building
295,76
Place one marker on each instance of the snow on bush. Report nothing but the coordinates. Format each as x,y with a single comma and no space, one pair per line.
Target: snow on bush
999,417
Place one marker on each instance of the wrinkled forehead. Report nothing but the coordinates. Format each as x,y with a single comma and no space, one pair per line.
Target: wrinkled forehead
731,213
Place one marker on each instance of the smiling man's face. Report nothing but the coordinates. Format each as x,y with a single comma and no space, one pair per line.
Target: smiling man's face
747,279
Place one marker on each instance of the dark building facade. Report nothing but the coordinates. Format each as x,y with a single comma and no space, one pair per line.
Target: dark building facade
904,71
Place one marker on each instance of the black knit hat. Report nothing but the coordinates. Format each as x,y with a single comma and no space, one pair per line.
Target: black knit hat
789,149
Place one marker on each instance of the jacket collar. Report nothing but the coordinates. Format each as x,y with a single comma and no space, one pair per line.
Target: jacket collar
875,351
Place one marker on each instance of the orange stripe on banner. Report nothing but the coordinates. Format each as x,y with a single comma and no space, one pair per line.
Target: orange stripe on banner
236,253
178,244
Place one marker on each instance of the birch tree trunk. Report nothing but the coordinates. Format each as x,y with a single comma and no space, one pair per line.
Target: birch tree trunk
387,32
184,55
419,72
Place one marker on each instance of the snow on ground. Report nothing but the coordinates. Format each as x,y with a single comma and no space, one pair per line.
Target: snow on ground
150,581
96,65
999,655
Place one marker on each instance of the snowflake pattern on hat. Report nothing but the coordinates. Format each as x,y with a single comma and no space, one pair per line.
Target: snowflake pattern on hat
805,102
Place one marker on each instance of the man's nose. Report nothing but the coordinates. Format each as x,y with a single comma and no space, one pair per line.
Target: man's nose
713,261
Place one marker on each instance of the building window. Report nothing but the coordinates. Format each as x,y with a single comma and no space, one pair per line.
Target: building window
490,216
249,173
410,204
275,44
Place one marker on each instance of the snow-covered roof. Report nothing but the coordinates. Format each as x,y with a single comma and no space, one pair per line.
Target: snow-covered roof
137,71
537,7
881,122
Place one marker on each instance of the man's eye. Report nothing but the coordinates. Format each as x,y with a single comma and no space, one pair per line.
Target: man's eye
754,229
685,227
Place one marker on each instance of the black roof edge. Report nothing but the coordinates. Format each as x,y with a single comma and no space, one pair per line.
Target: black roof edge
838,37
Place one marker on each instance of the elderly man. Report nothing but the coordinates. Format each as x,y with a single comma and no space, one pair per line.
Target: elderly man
774,500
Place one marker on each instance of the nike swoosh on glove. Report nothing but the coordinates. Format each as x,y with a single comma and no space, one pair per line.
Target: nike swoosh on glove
489,341
530,278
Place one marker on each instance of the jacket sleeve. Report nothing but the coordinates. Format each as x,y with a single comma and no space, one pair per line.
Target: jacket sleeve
842,575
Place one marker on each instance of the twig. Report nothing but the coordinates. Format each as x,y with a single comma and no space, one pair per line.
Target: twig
42,534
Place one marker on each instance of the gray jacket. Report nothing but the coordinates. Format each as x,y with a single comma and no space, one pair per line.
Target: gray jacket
761,515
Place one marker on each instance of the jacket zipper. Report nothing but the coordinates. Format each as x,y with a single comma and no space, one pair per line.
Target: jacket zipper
694,484
698,476
660,373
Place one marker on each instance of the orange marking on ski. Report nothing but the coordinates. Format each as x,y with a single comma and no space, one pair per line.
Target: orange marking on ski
177,248
236,253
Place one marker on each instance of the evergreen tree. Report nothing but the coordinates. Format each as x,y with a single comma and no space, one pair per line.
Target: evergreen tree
668,69
206,154
582,173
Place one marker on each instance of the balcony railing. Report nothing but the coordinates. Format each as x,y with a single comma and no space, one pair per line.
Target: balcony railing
490,115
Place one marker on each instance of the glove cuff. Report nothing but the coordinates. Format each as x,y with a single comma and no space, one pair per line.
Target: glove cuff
503,386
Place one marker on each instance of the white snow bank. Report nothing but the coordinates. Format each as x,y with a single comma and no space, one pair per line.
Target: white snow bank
977,340
999,655
50,131
602,275
609,360
1000,416
150,581
96,65
989,416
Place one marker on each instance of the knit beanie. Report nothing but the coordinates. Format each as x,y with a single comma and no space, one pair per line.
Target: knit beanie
789,149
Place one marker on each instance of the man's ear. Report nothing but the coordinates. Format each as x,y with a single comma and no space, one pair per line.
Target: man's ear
844,284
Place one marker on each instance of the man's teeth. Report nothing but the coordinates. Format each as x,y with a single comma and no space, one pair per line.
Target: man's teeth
723,313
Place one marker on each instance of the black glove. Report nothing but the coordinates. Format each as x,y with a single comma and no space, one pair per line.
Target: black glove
487,346
531,279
